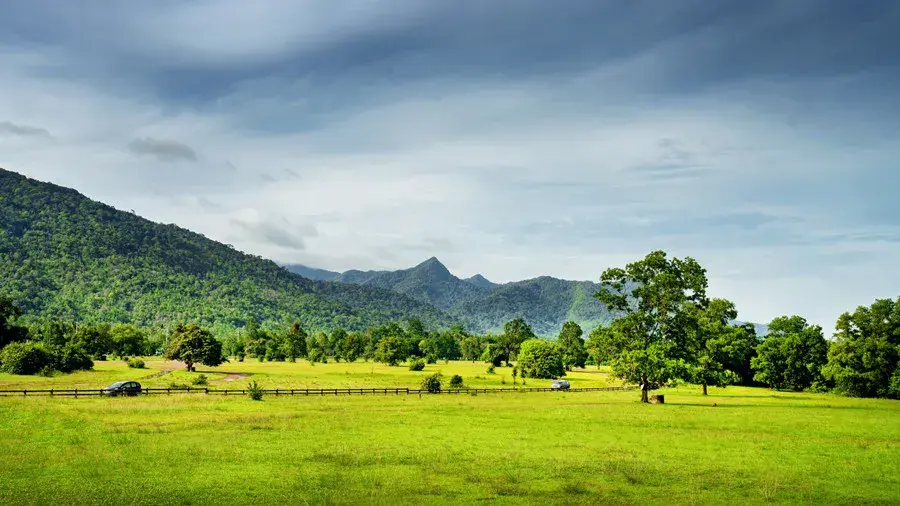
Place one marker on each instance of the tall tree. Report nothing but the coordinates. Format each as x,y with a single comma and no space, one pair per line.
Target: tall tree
9,331
515,332
792,355
191,344
719,344
652,338
572,345
866,353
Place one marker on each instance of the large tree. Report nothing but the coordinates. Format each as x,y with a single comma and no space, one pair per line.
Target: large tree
192,344
541,359
572,345
719,344
866,353
659,298
515,332
792,355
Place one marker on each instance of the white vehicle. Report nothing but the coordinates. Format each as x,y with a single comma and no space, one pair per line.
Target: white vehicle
560,385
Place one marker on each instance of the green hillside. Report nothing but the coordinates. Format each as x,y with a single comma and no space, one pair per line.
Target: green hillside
65,256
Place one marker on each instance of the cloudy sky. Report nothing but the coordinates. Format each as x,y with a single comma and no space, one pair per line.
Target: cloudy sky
514,138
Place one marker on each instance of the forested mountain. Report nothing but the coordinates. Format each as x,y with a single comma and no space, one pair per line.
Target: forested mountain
545,302
65,256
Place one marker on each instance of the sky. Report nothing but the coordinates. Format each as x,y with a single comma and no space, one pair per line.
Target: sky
511,138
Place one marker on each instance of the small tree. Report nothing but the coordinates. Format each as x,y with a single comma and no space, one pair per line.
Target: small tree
572,345
456,381
390,351
540,359
515,332
432,384
416,365
192,344
254,391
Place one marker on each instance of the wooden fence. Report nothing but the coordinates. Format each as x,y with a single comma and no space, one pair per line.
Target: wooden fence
55,392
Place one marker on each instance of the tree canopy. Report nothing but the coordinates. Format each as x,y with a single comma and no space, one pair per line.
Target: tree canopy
191,344
792,355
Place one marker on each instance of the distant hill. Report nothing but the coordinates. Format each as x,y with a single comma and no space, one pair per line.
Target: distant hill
65,256
312,273
545,303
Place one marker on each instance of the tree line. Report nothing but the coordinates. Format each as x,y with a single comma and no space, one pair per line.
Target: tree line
669,331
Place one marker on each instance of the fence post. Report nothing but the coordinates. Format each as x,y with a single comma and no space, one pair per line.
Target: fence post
25,393
76,393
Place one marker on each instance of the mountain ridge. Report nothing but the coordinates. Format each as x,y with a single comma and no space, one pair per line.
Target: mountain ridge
65,256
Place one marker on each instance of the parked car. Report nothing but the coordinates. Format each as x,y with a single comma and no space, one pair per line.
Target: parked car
123,388
560,385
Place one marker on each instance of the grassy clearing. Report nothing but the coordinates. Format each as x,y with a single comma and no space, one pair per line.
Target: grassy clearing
293,375
755,447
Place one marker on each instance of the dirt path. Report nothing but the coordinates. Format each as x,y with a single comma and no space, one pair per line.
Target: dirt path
235,376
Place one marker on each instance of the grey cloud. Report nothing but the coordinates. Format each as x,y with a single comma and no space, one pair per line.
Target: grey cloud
15,130
163,150
285,236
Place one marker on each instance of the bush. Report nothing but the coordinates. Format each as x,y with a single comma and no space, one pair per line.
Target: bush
72,357
47,372
456,381
25,358
135,363
431,359
490,370
432,384
201,380
254,391
540,359
416,365
178,386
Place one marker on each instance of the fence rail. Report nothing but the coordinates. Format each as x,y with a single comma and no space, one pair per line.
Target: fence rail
78,392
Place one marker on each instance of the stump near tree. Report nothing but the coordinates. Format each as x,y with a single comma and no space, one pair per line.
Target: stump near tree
658,399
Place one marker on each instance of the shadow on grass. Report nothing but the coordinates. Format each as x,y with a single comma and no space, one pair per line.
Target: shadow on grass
788,406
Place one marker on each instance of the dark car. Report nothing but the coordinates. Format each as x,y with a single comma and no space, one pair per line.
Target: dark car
123,388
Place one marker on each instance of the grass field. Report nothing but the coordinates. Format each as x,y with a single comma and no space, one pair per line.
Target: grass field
300,374
754,447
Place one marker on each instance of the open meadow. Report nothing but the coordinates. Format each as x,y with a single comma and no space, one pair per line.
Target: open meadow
755,446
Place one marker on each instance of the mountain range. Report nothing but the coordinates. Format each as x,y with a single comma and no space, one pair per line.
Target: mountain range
544,302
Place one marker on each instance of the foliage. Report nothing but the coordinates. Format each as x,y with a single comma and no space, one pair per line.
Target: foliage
66,257
792,355
456,381
25,358
9,312
719,345
432,383
128,340
416,365
866,355
471,348
136,363
490,369
541,359
390,350
515,332
200,380
572,345
659,298
192,344
70,357
254,391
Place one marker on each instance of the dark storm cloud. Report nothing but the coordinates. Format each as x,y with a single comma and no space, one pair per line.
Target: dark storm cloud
8,128
163,150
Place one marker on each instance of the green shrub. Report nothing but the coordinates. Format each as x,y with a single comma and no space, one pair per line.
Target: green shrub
136,363
432,384
456,381
25,358
201,380
490,369
431,359
416,365
72,357
254,391
541,359
47,372
178,386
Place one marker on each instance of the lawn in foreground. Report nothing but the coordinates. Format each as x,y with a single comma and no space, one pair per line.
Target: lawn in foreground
755,446
300,374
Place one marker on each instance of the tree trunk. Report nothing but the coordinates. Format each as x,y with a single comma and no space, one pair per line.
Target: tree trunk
704,389
645,389
190,365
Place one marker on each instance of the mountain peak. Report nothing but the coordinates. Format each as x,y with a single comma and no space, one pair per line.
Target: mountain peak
433,267
480,281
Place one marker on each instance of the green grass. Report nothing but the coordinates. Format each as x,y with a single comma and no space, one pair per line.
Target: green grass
300,374
754,447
